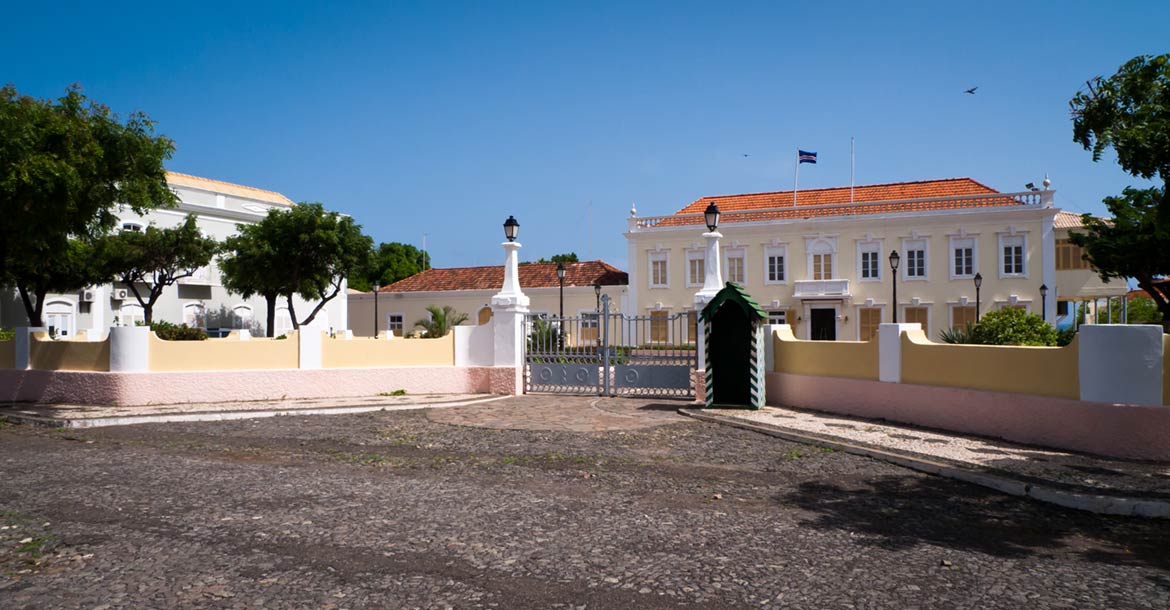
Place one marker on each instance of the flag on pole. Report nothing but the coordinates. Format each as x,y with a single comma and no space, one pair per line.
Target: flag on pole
803,156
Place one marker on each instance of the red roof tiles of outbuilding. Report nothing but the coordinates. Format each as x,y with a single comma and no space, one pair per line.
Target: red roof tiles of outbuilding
532,275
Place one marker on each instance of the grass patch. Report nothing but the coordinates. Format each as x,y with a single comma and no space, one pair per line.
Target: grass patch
394,393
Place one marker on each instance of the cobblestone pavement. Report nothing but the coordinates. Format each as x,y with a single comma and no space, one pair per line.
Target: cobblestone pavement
398,510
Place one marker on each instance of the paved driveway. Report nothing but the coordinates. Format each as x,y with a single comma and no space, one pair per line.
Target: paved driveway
406,510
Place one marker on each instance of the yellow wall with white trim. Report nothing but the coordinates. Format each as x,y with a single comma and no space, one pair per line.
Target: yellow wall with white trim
368,353
1040,371
224,354
852,359
65,355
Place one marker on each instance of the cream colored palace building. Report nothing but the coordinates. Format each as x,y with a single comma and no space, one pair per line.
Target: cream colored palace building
821,263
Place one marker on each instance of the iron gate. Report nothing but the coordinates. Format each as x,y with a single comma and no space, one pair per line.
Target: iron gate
610,354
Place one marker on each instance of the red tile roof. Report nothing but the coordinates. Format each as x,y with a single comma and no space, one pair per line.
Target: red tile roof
868,199
532,275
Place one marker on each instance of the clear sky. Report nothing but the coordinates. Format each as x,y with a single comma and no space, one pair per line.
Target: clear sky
444,118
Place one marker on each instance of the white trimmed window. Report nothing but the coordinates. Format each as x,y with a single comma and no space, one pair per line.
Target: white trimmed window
395,323
734,262
696,267
131,314
659,271
821,257
1012,252
132,226
914,259
194,315
869,266
962,257
777,317
774,257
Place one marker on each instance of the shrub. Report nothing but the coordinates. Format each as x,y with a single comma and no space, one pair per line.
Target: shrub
7,334
177,332
956,335
1065,336
1010,326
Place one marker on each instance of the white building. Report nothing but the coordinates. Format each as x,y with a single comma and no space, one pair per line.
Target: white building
198,300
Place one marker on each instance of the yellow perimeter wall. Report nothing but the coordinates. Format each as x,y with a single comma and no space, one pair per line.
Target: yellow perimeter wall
852,359
1040,371
368,352
224,354
64,355
7,354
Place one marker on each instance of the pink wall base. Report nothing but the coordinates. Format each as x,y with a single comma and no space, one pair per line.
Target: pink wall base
130,389
1124,431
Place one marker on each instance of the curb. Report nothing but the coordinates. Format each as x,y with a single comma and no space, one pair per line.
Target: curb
129,420
1087,501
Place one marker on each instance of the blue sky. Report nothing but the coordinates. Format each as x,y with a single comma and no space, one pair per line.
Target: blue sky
443,118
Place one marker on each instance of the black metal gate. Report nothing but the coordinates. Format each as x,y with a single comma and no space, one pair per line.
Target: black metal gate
611,354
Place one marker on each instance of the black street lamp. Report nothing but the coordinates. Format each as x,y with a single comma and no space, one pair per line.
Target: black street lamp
511,228
597,293
894,260
978,285
711,216
1044,302
561,278
376,287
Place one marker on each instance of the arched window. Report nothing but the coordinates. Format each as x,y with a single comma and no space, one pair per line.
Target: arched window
283,323
241,316
131,314
61,318
194,315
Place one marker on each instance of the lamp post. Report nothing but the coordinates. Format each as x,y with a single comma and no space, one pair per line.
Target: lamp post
712,276
978,285
561,279
1044,302
597,293
376,287
895,258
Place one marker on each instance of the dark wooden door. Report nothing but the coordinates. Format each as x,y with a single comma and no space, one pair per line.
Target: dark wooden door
823,324
731,352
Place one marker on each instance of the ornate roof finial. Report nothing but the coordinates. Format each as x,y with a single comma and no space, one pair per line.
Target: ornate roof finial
633,209
1047,183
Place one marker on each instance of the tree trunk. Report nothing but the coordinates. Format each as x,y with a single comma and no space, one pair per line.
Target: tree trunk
270,300
292,312
31,311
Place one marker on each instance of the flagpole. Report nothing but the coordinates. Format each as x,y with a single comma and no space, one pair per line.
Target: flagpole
851,139
795,176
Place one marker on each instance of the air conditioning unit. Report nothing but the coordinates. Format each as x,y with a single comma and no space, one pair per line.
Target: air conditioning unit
87,296
120,294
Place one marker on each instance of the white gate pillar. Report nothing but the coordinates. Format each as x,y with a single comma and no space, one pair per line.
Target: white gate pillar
509,307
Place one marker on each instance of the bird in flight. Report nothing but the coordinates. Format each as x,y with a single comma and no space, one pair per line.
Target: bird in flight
971,90
746,155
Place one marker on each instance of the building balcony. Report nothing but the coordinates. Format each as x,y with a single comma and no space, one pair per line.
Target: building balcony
821,289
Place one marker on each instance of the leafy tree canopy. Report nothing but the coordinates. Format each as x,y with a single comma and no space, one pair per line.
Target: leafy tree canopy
570,257
150,260
1130,112
65,165
247,264
389,262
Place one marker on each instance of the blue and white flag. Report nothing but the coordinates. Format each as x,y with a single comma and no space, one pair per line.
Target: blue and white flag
803,156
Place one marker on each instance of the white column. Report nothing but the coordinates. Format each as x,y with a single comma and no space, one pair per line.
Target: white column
130,349
1121,363
509,306
98,310
712,284
890,350
1048,267
309,347
23,345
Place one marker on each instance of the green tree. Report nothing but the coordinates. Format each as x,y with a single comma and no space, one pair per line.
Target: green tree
319,249
442,320
389,262
570,257
1010,326
1128,245
248,263
65,166
1130,113
152,259
70,269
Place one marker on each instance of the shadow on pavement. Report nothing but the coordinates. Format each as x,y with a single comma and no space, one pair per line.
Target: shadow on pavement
901,512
